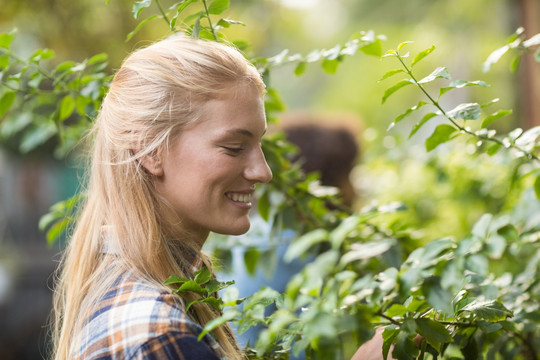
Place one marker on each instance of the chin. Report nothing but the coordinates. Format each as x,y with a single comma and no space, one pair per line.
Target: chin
236,230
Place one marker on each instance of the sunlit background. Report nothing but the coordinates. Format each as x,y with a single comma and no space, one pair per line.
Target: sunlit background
445,193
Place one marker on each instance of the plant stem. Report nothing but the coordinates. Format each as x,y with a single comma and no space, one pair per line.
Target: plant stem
164,15
209,20
459,127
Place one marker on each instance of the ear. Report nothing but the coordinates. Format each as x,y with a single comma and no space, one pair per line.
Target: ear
152,163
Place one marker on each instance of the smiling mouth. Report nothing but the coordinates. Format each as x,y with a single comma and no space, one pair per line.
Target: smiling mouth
243,198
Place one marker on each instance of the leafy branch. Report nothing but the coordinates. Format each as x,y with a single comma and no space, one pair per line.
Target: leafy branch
523,142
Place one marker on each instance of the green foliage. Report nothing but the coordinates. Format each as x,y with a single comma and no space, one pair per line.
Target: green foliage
473,296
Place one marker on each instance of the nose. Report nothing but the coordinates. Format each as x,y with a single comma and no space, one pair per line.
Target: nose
257,170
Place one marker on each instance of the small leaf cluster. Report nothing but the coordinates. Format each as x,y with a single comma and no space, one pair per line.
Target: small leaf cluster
37,104
525,145
203,284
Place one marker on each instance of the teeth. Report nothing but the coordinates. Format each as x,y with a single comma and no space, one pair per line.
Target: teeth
239,197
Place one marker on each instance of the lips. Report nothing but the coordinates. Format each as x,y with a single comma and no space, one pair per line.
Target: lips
239,197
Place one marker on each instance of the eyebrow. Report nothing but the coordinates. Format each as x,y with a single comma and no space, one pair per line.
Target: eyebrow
242,132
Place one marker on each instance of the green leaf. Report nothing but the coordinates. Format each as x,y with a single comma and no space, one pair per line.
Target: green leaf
436,296
361,251
251,258
6,101
218,6
422,55
301,245
139,26
388,335
6,39
406,113
300,68
405,348
175,279
263,206
390,73
421,123
42,54
490,310
494,57
330,65
56,230
66,107
396,310
139,6
374,48
190,285
202,276
442,134
537,187
228,22
229,315
395,88
468,111
98,58
403,44
434,332
458,84
496,115
37,136
214,285
440,72
196,27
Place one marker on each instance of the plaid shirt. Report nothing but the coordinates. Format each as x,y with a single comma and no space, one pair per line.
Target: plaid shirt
135,320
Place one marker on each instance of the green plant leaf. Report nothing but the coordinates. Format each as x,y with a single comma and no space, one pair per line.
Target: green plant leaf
406,113
403,44
138,6
440,72
395,88
139,26
537,187
36,136
468,111
251,258
214,285
496,115
458,84
195,31
6,101
442,134
202,276
422,55
301,245
421,123
490,310
66,107
439,298
175,279
6,39
434,332
330,65
494,57
300,68
228,315
218,6
190,285
390,73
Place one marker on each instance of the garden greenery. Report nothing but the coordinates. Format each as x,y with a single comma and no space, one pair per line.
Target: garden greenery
472,297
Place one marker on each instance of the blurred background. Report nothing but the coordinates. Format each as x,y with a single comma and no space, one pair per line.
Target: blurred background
446,191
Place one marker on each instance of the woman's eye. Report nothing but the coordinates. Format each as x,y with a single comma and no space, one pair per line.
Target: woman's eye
234,150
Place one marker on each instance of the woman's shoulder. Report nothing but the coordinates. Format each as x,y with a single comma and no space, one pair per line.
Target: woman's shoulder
132,300
132,314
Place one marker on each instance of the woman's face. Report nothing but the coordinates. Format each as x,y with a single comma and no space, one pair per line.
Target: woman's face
210,170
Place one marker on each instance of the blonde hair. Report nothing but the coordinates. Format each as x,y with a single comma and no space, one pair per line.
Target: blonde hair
157,92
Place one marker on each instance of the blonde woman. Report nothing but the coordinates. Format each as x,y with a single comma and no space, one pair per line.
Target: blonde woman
176,154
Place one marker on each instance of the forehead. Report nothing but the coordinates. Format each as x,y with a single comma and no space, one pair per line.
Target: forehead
238,110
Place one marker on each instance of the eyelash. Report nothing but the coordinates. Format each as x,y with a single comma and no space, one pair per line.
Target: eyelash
233,150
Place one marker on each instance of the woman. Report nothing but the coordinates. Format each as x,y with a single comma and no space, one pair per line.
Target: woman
176,154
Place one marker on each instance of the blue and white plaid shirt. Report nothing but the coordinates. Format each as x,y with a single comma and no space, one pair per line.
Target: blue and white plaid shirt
136,320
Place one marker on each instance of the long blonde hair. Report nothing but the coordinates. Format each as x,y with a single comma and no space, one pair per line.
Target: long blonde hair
158,91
